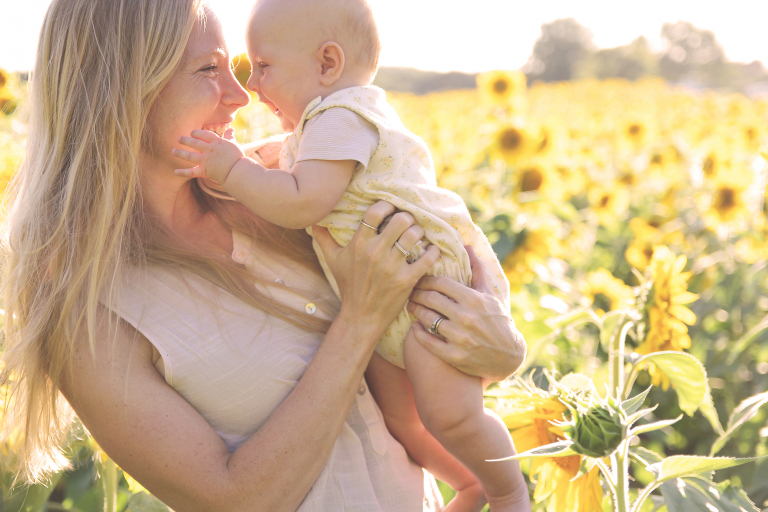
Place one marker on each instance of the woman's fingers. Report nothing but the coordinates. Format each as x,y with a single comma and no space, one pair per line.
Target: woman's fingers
374,216
480,281
411,237
396,227
437,346
435,301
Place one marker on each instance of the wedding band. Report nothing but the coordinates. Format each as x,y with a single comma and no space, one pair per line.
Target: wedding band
433,328
369,226
400,248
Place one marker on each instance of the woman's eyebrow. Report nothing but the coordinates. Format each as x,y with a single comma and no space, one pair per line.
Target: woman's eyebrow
217,51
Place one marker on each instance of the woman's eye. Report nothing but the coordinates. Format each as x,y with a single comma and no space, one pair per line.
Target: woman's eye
209,69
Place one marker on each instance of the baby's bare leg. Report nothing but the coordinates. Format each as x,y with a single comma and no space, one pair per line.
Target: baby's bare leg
450,404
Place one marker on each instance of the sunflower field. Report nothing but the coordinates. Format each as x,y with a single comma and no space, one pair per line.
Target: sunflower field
631,221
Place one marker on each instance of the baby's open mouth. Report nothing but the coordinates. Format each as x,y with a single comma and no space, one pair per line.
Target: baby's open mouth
218,129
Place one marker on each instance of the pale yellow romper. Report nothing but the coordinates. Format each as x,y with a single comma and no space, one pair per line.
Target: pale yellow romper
399,171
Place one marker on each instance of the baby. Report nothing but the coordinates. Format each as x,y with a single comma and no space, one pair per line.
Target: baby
313,61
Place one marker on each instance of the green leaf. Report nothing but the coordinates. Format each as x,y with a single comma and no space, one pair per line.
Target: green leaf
611,327
694,495
649,427
631,405
143,502
30,498
577,315
708,410
644,456
686,374
745,411
559,449
686,465
753,335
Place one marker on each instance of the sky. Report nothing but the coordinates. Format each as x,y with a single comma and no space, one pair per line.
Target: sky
474,35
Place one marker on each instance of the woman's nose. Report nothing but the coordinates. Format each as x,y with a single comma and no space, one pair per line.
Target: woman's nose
235,95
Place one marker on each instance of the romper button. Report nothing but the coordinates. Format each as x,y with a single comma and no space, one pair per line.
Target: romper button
310,308
237,255
361,391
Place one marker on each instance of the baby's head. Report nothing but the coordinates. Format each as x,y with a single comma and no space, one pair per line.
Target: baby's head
302,49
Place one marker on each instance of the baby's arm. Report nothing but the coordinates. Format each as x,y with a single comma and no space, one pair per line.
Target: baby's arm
295,199
392,390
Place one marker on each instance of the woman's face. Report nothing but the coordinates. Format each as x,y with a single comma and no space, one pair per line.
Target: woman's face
202,94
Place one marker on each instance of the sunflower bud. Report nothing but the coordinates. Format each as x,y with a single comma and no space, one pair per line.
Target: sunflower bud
596,432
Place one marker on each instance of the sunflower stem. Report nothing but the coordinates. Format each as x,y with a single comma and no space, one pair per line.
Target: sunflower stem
110,486
616,357
621,497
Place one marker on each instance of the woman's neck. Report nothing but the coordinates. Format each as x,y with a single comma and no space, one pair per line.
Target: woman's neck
170,202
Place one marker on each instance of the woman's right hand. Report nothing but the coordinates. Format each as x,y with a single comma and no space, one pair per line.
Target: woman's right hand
372,274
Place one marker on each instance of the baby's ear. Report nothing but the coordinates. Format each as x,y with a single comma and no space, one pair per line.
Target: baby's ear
331,61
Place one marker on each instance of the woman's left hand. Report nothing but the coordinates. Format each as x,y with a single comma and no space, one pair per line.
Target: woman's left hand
477,335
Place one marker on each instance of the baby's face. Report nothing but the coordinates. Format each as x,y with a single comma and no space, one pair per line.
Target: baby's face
284,69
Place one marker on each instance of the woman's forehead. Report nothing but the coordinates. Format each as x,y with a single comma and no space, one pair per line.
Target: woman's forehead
207,38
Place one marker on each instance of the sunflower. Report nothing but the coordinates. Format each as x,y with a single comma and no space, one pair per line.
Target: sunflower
608,202
602,282
639,253
725,204
529,417
648,234
635,133
536,179
667,315
501,87
536,245
511,143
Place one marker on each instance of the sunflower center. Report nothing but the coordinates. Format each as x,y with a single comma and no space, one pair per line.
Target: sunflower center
531,180
569,464
709,166
500,86
604,200
726,199
648,252
510,139
634,130
751,134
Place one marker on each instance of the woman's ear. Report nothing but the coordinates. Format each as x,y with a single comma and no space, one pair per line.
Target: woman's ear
331,61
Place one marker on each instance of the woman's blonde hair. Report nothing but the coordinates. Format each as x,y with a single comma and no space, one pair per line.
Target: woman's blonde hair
76,222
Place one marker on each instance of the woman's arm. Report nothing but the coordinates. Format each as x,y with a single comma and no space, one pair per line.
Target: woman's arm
159,438
478,336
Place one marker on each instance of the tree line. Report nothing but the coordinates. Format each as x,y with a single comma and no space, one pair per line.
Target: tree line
565,51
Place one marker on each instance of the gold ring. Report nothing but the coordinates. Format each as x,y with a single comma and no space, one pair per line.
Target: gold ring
433,328
400,248
369,226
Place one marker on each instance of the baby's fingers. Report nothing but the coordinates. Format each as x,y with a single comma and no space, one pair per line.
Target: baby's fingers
194,172
194,143
206,135
189,156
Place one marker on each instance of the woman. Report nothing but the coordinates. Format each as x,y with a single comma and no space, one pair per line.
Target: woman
131,290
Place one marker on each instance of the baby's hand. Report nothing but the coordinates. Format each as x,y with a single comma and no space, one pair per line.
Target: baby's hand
215,156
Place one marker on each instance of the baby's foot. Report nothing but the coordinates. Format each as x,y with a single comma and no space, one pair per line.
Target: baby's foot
469,499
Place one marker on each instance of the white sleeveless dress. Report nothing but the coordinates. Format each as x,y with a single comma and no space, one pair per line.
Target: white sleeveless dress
235,365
